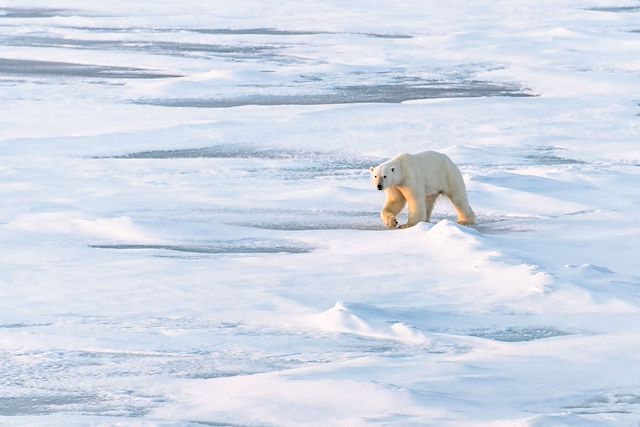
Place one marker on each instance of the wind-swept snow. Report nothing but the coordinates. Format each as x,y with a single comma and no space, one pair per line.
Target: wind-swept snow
190,237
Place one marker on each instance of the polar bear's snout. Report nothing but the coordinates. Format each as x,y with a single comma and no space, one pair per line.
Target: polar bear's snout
379,181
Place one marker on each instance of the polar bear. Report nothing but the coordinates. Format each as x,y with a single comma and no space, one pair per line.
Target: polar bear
418,180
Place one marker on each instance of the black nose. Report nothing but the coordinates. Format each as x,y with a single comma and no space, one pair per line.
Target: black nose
379,187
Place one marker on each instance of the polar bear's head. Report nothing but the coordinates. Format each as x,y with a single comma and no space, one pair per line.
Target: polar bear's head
385,175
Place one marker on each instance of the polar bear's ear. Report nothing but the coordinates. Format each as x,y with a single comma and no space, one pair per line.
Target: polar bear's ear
371,169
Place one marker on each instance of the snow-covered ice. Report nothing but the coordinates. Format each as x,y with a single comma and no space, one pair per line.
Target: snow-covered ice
189,235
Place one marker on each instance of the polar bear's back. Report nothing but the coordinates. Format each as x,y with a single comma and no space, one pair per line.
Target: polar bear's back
434,170
423,158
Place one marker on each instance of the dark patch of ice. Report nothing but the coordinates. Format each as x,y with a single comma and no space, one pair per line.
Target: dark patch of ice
523,156
257,31
320,159
375,93
302,165
373,223
123,29
239,31
311,220
223,152
299,219
16,12
546,155
615,9
223,247
223,424
22,325
218,31
495,219
386,36
502,229
39,404
277,32
147,46
29,67
207,375
550,159
606,402
516,334
501,224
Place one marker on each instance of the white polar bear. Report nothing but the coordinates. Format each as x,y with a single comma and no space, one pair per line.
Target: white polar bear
417,180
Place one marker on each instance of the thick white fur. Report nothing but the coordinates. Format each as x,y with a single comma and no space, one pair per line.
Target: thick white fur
418,180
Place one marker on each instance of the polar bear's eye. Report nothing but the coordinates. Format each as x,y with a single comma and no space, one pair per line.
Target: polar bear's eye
375,176
385,177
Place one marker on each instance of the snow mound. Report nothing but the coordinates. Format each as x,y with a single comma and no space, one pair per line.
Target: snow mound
341,319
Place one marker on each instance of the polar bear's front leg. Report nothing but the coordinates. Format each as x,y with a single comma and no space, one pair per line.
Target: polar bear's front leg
392,206
417,209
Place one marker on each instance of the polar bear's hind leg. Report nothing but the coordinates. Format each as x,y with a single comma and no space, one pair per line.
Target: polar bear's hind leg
430,202
456,191
466,216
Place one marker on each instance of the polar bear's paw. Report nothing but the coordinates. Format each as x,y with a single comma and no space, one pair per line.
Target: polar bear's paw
389,220
467,219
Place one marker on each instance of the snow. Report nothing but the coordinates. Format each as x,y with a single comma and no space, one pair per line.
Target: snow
190,236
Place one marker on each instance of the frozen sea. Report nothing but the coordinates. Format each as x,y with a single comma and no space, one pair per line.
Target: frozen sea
189,236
